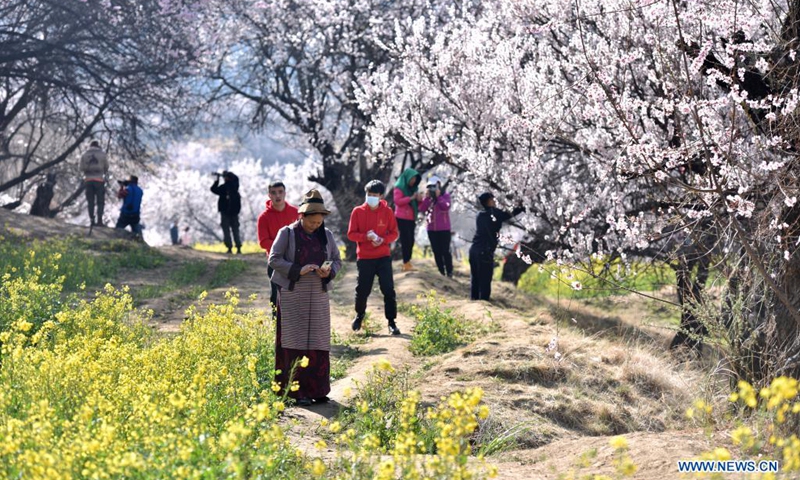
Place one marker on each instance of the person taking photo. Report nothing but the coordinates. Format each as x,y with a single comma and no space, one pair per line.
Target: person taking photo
229,204
436,208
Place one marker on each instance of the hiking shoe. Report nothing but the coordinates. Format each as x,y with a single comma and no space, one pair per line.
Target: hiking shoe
229,251
357,322
322,400
393,329
238,250
303,402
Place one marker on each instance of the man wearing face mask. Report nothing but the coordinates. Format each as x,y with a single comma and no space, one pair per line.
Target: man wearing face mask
373,227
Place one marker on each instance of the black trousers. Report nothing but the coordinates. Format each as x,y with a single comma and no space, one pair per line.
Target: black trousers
440,245
367,269
96,195
406,228
274,287
230,224
125,219
481,268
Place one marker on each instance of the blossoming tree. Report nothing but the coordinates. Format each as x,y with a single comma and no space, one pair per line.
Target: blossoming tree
663,129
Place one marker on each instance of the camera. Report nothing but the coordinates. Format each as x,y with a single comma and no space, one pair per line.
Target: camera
123,183
219,174
432,190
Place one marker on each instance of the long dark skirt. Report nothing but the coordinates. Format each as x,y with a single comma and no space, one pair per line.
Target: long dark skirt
314,380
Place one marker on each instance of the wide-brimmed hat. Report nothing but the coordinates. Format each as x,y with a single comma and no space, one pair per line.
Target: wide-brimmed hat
433,181
313,203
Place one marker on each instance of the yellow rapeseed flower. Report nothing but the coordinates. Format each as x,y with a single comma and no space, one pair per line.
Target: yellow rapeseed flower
619,443
743,436
627,467
318,468
383,364
304,362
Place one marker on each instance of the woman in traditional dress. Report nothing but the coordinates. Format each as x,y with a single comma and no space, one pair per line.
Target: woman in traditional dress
305,259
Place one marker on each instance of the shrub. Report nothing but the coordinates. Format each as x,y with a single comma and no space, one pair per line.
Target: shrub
93,395
438,330
27,302
389,436
76,260
605,279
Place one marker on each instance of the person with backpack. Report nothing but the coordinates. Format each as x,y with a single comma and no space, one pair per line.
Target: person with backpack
373,227
436,207
406,200
484,243
94,165
229,205
304,259
131,196
277,214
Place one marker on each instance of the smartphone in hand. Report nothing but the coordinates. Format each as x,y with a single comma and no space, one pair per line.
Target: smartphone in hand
326,265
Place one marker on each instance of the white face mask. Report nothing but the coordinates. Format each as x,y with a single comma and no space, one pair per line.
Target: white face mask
373,201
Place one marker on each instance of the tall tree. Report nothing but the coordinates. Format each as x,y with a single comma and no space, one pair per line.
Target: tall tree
299,63
75,69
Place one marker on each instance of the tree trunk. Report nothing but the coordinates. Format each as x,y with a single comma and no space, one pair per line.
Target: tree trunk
690,287
786,334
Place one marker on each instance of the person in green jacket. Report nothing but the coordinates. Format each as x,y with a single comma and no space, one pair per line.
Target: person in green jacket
406,201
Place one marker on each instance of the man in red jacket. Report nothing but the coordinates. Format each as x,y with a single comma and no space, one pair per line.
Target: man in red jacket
277,215
373,227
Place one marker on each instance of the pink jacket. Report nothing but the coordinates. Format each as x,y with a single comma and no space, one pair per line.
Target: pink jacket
437,212
402,205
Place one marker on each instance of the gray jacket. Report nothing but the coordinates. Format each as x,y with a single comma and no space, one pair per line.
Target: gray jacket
281,258
94,164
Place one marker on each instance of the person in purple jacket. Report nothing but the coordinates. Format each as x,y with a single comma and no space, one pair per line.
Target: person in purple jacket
436,208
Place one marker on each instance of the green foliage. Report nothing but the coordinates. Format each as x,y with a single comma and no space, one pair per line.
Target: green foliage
389,421
182,276
438,330
598,280
93,393
226,271
378,407
78,261
28,298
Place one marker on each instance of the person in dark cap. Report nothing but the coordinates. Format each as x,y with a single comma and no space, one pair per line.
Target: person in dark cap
229,205
481,253
131,195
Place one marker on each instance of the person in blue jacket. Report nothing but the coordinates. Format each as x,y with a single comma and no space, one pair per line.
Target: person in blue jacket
481,253
131,196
